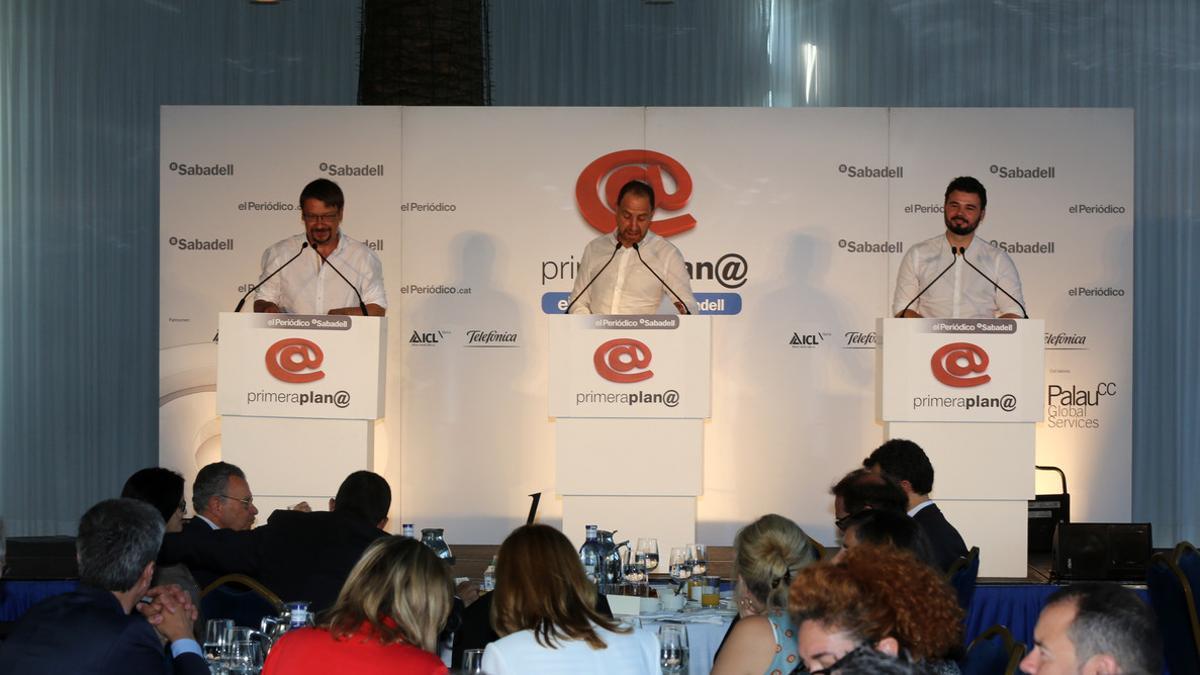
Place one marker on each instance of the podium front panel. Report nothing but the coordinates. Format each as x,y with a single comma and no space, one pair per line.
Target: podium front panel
291,365
962,370
630,366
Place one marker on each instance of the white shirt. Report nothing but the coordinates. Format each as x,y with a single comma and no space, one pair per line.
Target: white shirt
633,653
962,293
626,286
917,509
308,286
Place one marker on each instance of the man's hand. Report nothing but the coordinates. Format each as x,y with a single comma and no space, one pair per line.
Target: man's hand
302,506
467,591
265,306
170,612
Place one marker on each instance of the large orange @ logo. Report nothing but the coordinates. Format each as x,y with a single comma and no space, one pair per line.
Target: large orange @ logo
615,358
607,174
953,363
288,359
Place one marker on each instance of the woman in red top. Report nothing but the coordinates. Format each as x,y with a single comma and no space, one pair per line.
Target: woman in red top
386,619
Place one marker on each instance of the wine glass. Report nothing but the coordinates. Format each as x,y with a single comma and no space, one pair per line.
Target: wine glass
635,567
698,554
649,547
218,639
245,657
673,648
680,568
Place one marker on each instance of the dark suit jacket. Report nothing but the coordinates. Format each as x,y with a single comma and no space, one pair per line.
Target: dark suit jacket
87,631
299,556
947,543
203,575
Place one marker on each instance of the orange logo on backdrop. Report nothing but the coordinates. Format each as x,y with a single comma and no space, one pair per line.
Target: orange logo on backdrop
953,364
623,166
289,358
615,358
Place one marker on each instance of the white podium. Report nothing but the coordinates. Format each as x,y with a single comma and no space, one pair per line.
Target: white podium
630,395
298,396
969,391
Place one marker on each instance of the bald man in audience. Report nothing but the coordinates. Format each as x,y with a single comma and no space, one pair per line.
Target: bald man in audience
1095,629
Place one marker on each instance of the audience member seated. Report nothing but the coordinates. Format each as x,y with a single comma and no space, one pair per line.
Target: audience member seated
906,463
386,618
299,555
887,528
163,489
1095,629
544,609
857,601
768,553
222,499
867,661
861,490
94,629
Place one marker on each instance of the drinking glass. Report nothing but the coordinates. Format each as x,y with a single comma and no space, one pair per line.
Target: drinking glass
245,658
635,567
472,662
679,568
673,648
698,554
218,639
649,547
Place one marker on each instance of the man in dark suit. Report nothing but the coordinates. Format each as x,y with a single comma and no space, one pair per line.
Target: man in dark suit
94,628
907,464
223,501
299,555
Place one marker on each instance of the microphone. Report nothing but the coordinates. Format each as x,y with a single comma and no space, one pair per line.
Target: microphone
594,278
1010,297
242,302
361,305
660,280
954,252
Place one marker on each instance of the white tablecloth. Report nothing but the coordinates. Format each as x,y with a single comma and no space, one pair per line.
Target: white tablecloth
705,628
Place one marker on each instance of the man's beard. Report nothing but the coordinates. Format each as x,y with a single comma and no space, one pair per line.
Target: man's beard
961,229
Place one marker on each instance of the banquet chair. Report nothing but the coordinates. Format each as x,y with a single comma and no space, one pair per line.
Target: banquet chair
241,598
994,652
962,576
1172,580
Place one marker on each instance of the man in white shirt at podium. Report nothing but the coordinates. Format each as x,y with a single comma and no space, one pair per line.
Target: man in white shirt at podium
338,276
933,282
631,270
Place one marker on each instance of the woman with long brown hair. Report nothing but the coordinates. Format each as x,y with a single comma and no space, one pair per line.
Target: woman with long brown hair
544,609
386,618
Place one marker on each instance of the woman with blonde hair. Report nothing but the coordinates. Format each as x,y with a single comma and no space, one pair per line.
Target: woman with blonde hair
386,618
767,555
544,609
876,598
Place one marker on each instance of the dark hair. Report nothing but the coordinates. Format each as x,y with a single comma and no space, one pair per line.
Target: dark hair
860,489
864,660
366,495
968,184
212,481
1113,620
324,190
891,528
541,587
904,460
117,539
158,487
638,188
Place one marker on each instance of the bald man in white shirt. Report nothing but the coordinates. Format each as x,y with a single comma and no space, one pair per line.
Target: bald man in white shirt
620,282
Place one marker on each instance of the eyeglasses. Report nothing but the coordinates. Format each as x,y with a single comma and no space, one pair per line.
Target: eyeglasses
326,218
845,520
246,501
183,505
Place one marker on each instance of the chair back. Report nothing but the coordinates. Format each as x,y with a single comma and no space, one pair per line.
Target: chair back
822,554
962,576
241,598
994,652
1172,581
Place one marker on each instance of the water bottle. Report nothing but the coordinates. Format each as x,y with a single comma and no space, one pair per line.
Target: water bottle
589,554
489,578
408,530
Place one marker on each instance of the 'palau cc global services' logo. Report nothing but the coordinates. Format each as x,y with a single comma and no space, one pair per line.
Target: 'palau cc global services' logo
295,360
616,358
608,173
954,364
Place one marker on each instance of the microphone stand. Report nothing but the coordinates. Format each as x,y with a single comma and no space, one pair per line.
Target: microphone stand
597,276
660,280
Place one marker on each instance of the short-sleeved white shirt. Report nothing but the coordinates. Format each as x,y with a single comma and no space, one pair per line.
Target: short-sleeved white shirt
626,286
962,293
308,286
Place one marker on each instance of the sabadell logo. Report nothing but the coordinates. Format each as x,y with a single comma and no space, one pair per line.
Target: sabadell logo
598,185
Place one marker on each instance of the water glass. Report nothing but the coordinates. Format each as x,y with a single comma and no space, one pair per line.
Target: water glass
649,548
698,554
218,639
673,648
245,658
472,662
679,567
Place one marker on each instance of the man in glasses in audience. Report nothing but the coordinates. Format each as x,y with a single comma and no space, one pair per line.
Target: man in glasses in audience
222,499
861,490
339,275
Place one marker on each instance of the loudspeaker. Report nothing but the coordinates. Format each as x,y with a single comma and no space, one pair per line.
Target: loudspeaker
41,558
1101,551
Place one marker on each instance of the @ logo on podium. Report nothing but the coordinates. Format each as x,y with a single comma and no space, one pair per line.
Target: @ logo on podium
295,360
616,358
954,364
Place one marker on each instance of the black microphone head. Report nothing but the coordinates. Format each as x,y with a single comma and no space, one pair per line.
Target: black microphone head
304,245
635,246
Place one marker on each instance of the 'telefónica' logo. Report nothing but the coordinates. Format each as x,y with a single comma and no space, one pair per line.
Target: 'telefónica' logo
295,360
954,364
616,359
606,174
